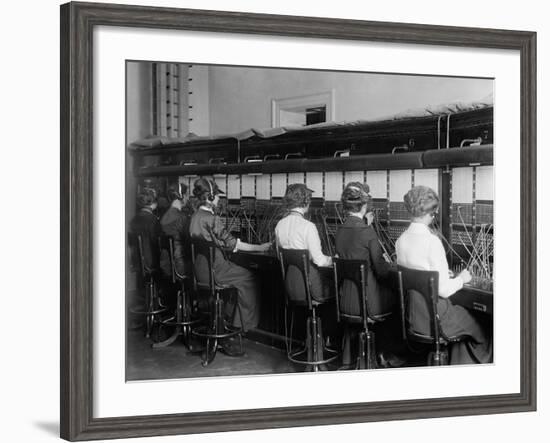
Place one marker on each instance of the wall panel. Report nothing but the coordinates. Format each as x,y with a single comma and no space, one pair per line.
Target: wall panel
354,176
314,180
427,177
400,184
333,185
377,181
233,186
263,187
278,185
248,186
462,187
485,183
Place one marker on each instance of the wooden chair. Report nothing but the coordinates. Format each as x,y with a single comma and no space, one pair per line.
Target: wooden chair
354,272
152,308
314,354
218,328
421,288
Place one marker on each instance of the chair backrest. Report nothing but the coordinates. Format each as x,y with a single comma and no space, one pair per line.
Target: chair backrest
166,243
135,256
135,243
146,250
202,256
295,271
419,290
350,276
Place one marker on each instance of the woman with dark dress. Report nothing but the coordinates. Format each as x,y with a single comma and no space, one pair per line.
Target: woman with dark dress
356,239
146,224
419,248
206,225
175,223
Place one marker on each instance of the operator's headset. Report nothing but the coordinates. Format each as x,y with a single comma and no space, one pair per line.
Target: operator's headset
210,195
363,195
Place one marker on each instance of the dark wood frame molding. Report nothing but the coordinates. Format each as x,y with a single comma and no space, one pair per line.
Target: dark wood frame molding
77,24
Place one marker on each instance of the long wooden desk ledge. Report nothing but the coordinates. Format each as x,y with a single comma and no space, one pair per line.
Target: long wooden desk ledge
470,297
475,299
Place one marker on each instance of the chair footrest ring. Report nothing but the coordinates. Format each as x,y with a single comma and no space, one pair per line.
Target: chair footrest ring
210,333
172,322
138,311
293,357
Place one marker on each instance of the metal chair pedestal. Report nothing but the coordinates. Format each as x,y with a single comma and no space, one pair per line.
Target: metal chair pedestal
355,273
315,355
366,353
152,307
183,319
218,328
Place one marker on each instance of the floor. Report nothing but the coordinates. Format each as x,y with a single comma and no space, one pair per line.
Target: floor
175,361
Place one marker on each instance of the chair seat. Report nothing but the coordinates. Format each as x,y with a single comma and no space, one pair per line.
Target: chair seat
314,302
428,339
224,287
151,272
142,311
217,287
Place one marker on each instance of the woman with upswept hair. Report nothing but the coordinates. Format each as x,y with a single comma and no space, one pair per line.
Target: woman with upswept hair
419,248
356,239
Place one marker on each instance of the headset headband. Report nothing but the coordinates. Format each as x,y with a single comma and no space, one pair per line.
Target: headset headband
211,190
150,190
356,188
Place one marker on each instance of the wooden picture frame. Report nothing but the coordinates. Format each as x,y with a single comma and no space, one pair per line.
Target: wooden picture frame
77,23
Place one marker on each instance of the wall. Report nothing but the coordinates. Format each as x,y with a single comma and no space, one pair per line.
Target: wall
194,101
240,98
138,106
227,100
30,371
199,100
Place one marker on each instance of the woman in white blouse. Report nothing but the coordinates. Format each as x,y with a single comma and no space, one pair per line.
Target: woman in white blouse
294,231
419,248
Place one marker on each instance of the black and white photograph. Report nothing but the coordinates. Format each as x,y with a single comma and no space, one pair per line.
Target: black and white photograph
287,220
290,221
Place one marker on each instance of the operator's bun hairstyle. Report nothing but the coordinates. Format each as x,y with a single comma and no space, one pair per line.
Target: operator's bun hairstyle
297,195
420,200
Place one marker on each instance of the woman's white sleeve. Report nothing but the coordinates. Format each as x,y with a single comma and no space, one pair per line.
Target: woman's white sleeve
314,247
438,262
